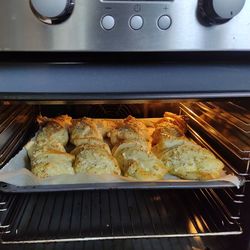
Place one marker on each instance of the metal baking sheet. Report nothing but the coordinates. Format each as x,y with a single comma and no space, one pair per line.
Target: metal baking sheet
9,188
16,178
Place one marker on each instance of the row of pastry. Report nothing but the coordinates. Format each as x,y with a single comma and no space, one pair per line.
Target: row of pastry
47,153
125,147
183,157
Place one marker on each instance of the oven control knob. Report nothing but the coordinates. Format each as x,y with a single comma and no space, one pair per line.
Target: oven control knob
52,11
214,12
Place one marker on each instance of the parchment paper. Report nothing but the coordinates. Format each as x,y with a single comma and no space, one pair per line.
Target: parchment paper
16,172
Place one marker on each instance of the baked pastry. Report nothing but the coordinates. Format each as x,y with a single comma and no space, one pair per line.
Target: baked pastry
131,154
54,130
178,120
191,161
35,148
49,159
92,159
63,120
92,154
119,149
167,143
183,157
131,147
169,133
92,142
136,161
105,126
130,129
171,126
82,129
47,154
55,168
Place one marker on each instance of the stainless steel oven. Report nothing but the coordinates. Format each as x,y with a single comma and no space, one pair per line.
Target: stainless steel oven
111,59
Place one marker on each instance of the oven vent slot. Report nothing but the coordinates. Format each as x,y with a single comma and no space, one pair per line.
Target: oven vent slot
120,215
95,110
226,132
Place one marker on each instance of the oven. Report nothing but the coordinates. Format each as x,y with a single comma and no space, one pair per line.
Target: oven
111,59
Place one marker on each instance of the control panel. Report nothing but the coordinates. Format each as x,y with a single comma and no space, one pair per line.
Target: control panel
125,25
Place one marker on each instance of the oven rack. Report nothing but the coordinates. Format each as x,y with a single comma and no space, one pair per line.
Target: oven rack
115,215
194,243
200,112
198,139
4,207
233,114
16,123
230,200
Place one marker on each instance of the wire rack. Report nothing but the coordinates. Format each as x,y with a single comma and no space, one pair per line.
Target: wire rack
16,122
195,243
114,215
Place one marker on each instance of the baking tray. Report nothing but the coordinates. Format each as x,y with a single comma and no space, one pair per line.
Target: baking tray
9,188
230,180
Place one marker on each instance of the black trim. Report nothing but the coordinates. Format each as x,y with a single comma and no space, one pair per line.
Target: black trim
127,57
73,98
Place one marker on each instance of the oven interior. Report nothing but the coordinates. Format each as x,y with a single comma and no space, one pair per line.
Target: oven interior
195,218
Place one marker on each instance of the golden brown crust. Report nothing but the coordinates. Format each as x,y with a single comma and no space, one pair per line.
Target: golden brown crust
183,157
91,159
131,149
53,132
138,163
93,155
49,169
47,154
168,143
130,129
168,127
119,150
191,161
165,132
82,129
49,159
63,120
105,126
178,120
93,142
